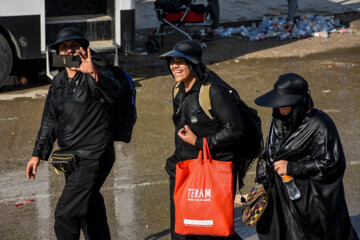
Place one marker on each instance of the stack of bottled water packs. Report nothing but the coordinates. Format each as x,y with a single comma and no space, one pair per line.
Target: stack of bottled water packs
303,27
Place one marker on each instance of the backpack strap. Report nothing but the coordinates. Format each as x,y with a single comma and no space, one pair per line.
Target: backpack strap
176,90
204,99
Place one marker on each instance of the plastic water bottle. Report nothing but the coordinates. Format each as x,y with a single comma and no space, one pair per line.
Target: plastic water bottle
346,30
291,187
225,33
284,36
238,30
323,34
295,33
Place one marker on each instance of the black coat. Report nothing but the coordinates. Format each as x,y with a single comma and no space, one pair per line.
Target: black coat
222,132
317,163
76,117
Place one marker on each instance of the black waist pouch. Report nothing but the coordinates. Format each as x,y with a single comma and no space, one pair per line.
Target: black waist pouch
64,162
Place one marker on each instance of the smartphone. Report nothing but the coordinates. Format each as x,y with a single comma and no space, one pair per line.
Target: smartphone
65,61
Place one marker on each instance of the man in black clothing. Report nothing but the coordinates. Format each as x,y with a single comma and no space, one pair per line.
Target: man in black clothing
80,119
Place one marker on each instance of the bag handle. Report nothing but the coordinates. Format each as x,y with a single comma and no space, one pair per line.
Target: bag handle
204,154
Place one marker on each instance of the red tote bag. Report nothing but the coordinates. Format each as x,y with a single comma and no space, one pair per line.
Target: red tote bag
204,197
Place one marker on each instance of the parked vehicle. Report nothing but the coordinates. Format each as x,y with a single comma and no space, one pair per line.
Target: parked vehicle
28,26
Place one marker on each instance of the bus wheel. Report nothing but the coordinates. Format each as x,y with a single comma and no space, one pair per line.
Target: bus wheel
6,60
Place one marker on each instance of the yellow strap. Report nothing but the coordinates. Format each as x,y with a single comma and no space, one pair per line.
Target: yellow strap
57,172
204,99
176,90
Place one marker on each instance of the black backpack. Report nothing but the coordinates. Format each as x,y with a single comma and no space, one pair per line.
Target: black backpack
252,146
123,112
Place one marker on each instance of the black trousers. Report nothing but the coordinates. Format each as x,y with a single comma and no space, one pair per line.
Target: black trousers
81,205
175,236
214,13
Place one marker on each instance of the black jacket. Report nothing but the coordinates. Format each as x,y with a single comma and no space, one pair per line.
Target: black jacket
76,116
222,132
316,160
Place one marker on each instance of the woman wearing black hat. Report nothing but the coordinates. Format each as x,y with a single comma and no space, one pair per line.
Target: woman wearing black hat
191,122
303,142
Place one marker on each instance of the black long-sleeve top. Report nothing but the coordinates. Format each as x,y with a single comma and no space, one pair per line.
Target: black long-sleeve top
222,133
76,116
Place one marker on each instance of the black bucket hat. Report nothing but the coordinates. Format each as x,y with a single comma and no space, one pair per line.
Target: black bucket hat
288,90
69,33
187,49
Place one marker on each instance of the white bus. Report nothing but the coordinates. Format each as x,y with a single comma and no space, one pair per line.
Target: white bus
28,26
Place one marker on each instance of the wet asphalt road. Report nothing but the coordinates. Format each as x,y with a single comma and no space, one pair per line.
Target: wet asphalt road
136,192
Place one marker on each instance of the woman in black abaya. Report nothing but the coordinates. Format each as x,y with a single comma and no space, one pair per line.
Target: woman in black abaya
302,142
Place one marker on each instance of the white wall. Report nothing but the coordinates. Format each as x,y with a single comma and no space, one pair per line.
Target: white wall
21,7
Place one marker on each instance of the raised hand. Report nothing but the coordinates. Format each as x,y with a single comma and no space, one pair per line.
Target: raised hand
87,66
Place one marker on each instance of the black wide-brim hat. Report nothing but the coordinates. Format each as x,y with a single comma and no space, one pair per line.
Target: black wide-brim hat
69,33
187,49
288,90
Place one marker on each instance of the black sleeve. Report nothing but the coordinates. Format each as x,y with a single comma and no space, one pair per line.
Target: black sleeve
49,129
225,110
262,171
326,157
296,169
